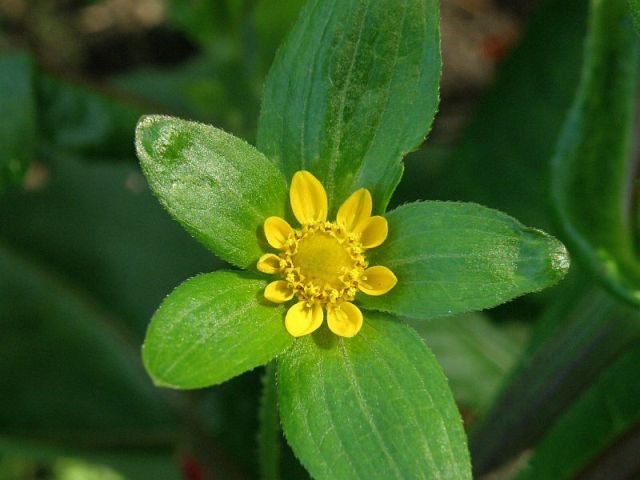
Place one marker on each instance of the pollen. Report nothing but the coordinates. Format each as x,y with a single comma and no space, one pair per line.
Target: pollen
322,263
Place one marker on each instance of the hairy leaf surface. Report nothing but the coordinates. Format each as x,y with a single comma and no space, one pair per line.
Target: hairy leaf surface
217,186
211,328
456,257
351,91
375,406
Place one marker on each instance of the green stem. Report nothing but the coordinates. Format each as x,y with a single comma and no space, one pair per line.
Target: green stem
269,433
552,375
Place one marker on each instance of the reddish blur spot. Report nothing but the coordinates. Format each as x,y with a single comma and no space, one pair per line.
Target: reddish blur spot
496,47
191,469
493,49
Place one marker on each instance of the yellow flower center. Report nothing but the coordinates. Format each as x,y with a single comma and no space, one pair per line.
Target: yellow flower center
323,263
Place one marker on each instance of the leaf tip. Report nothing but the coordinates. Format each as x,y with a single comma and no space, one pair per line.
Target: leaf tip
560,258
153,373
154,134
553,259
157,382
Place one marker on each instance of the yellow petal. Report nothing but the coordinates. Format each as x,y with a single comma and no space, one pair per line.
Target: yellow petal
277,231
373,232
355,211
345,319
377,281
269,263
278,292
302,319
308,198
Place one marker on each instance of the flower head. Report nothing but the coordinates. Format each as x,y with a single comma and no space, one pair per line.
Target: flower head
323,263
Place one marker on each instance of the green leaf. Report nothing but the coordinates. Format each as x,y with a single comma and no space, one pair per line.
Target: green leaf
581,335
634,5
475,354
605,412
374,406
594,165
211,328
131,463
456,257
69,374
88,122
351,91
217,186
18,125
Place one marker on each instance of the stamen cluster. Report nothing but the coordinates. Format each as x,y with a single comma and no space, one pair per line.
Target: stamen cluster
308,288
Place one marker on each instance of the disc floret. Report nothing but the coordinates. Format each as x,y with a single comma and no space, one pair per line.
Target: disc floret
323,263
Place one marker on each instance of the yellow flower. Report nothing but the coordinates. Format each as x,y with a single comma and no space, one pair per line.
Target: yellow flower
323,263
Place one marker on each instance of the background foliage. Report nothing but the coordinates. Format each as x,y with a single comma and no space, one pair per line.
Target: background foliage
547,384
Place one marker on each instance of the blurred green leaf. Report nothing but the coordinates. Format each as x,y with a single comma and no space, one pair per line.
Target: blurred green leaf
132,463
580,337
272,20
501,160
211,328
237,30
373,406
217,186
605,412
98,225
475,354
207,22
456,257
351,91
173,87
18,123
201,89
223,85
55,343
87,122
634,5
593,168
